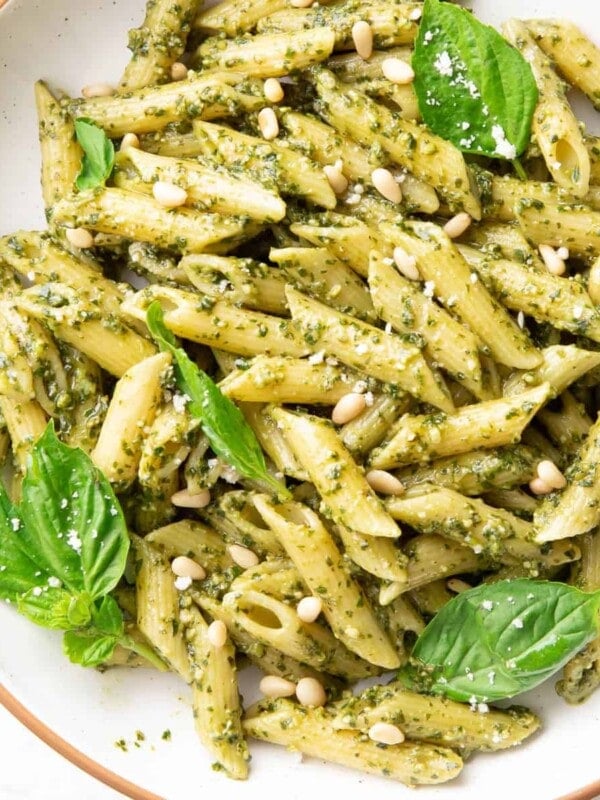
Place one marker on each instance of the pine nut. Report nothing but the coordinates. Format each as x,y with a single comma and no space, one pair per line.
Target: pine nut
185,567
397,71
549,473
309,608
310,692
301,3
348,407
458,586
242,556
217,633
407,264
274,686
129,140
385,733
273,90
563,252
98,90
79,237
554,263
384,482
268,124
337,180
456,226
384,182
184,499
538,486
183,582
362,36
168,194
179,71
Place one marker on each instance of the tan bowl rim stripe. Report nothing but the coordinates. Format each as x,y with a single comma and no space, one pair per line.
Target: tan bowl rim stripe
120,784
76,757
588,792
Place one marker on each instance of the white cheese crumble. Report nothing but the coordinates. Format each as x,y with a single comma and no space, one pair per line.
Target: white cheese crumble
503,146
517,623
317,358
429,289
183,582
229,474
361,349
179,402
487,605
443,64
73,540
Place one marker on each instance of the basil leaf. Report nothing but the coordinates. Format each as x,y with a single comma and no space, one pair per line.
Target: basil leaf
48,607
474,89
500,639
98,154
229,434
18,572
88,648
73,526
108,617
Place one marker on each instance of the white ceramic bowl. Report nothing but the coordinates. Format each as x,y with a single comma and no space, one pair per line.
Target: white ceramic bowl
71,44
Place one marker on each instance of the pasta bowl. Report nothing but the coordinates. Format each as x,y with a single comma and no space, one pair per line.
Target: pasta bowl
133,729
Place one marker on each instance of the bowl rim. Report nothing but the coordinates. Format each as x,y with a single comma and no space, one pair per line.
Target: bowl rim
71,753
132,790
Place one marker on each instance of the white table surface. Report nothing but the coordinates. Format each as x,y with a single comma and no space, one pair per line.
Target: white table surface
30,770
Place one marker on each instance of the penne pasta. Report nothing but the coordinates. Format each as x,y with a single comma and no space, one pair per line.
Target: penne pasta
554,126
381,355
491,424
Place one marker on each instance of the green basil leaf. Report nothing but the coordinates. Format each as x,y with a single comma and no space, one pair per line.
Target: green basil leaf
474,89
72,522
98,154
497,640
80,611
49,607
229,434
108,617
18,572
88,648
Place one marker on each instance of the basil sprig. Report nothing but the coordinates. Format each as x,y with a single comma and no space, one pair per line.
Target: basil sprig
498,640
98,155
474,89
230,436
63,549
